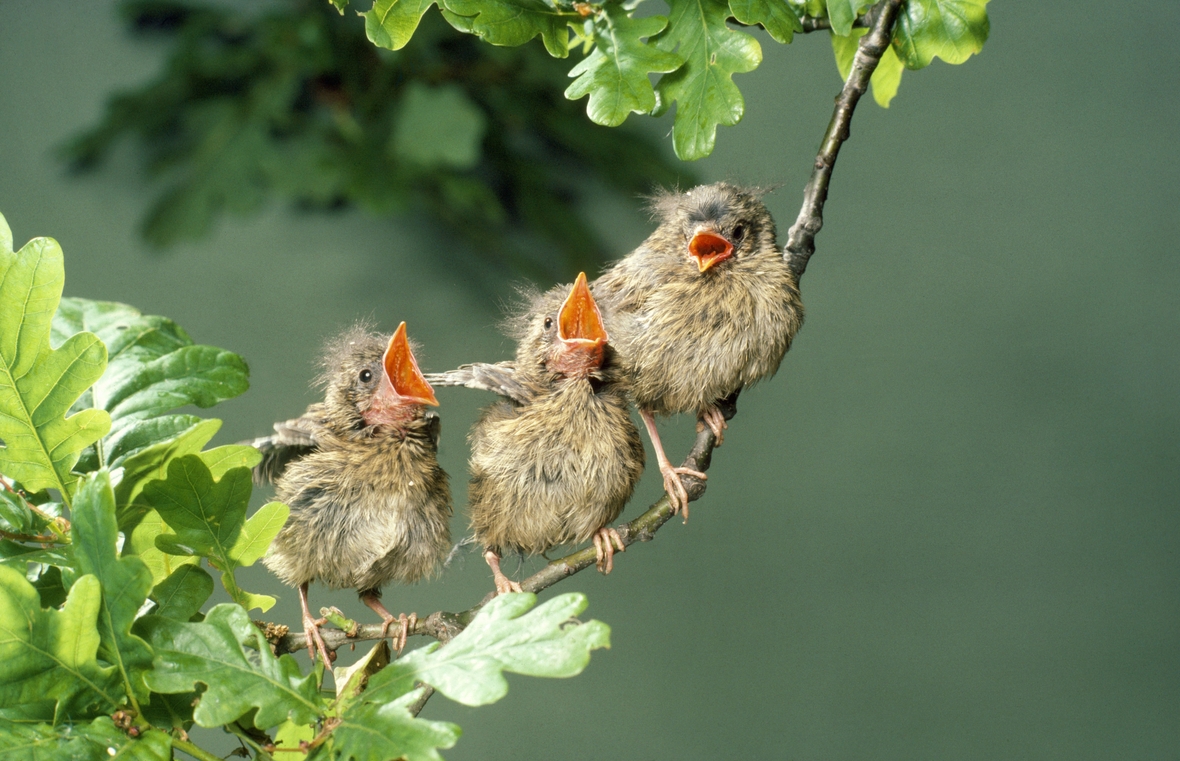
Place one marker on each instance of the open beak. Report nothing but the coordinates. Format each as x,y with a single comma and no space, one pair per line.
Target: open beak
709,249
402,373
579,319
580,329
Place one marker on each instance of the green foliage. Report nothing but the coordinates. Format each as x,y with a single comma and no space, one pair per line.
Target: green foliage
51,655
209,520
703,87
228,654
100,740
125,582
952,30
615,74
104,649
503,637
701,52
38,385
290,100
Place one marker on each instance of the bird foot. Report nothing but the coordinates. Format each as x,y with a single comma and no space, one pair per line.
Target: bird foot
677,494
605,541
315,642
399,641
712,417
504,585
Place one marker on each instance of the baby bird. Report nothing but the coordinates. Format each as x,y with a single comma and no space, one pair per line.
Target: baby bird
701,309
369,502
556,462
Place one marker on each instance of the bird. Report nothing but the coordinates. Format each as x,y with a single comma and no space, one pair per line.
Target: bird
359,471
701,309
555,461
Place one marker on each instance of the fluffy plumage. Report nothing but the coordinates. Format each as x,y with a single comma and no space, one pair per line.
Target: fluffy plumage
369,502
557,461
703,308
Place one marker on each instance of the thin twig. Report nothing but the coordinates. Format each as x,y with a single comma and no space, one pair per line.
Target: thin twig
39,538
801,239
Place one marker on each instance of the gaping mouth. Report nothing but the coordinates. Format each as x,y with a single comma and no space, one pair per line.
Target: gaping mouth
709,249
401,370
579,319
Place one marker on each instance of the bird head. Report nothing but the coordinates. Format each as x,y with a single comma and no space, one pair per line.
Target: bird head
714,227
560,332
373,382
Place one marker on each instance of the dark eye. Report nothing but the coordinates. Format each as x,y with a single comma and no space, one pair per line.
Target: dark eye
366,376
548,323
739,232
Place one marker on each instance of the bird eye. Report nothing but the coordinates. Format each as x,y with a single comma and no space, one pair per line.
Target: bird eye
366,376
548,323
739,232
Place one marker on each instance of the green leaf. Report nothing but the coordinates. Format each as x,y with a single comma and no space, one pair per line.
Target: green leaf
391,23
228,654
843,12
339,5
512,22
258,532
143,545
502,637
38,385
615,74
181,595
289,734
380,732
438,126
703,87
886,77
99,740
153,367
952,30
50,654
125,582
775,16
208,518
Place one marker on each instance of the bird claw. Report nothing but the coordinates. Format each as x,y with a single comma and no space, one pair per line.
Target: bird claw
504,585
712,417
677,494
605,540
315,642
399,642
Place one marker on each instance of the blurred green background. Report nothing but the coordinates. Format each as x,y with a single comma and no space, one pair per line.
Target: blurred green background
947,529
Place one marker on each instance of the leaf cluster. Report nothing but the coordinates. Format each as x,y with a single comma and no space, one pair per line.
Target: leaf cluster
290,101
695,49
104,648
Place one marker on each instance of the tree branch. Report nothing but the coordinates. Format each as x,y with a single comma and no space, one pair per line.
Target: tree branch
443,626
801,239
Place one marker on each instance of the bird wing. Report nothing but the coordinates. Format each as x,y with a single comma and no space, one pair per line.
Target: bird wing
500,378
291,440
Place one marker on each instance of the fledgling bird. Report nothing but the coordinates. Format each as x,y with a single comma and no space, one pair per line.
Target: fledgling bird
701,309
557,461
369,502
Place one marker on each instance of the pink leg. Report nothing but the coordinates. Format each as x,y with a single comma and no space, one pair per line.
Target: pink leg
311,630
676,493
605,541
712,417
504,585
373,601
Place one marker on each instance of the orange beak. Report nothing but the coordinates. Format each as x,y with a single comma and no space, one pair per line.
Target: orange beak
401,371
579,319
709,249
582,334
